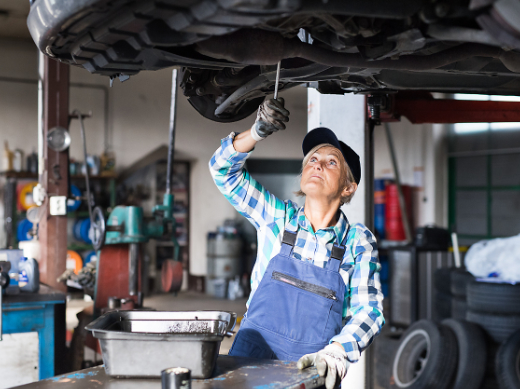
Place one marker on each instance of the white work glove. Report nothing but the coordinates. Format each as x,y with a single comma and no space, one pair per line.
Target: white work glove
270,118
331,362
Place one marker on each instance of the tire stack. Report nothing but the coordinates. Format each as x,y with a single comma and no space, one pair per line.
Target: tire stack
449,355
443,297
459,280
476,347
495,307
450,293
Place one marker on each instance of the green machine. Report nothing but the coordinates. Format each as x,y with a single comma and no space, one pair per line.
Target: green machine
126,225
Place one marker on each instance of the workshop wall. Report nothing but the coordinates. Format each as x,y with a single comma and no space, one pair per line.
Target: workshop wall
421,152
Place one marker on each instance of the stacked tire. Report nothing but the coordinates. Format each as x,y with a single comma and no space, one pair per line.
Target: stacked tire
450,293
459,281
496,308
443,297
473,344
449,355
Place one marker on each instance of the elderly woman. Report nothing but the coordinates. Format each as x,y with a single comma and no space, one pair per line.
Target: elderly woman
315,291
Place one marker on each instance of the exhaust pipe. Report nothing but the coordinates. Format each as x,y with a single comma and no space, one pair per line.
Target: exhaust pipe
259,47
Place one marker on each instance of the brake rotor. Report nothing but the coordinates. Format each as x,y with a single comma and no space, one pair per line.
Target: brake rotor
171,276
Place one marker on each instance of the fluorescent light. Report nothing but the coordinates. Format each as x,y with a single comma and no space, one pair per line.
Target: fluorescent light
468,96
505,98
505,126
466,128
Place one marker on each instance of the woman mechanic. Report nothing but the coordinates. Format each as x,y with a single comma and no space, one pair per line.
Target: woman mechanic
316,295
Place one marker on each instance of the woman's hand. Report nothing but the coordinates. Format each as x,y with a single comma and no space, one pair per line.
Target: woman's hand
270,118
331,363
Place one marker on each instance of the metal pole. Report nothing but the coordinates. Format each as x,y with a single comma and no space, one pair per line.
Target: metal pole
456,252
171,143
87,178
402,204
41,143
1,331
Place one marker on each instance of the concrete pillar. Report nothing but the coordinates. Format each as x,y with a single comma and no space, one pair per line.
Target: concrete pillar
346,116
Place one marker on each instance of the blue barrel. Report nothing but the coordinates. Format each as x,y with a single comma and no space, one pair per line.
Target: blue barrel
379,207
23,230
81,229
73,205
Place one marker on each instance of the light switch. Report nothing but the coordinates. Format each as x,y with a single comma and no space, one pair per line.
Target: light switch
58,205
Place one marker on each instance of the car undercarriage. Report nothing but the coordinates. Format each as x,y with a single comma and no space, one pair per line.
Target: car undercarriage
228,49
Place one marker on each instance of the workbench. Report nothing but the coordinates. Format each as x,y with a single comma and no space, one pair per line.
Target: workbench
42,312
231,372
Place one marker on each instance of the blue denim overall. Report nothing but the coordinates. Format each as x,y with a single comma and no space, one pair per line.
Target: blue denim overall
296,309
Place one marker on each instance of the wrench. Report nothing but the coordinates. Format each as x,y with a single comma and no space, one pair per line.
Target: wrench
277,80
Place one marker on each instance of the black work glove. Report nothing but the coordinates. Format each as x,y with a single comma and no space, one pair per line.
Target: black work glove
270,118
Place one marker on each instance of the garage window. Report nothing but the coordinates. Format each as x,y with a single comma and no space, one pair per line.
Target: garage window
484,178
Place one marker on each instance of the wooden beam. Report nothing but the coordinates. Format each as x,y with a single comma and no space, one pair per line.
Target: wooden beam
54,178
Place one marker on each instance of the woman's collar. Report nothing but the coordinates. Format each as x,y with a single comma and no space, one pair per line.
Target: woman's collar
340,228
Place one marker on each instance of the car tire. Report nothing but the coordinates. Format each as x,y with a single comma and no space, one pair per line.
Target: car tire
459,280
426,357
499,327
471,342
490,382
492,350
494,298
442,280
507,363
459,308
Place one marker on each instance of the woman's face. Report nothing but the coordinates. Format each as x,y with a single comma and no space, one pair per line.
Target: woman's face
322,176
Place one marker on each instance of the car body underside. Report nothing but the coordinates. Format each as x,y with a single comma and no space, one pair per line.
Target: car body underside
228,49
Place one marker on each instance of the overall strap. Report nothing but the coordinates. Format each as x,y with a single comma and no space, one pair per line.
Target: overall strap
288,242
289,236
338,252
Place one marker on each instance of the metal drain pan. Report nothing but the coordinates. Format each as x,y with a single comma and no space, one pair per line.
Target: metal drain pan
143,343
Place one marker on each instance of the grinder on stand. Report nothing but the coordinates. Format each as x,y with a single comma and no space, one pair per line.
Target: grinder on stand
125,231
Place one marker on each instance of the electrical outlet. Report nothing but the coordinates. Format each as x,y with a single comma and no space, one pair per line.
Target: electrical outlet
58,205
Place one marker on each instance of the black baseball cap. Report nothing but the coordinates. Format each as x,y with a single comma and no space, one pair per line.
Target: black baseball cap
322,135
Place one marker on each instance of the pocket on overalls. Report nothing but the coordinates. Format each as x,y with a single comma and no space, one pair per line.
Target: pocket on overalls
299,310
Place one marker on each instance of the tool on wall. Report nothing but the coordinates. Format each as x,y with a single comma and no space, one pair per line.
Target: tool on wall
125,231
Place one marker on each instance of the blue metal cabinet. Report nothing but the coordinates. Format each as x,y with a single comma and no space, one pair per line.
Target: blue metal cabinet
36,312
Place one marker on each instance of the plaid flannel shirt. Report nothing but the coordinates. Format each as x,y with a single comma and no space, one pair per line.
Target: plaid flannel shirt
362,307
